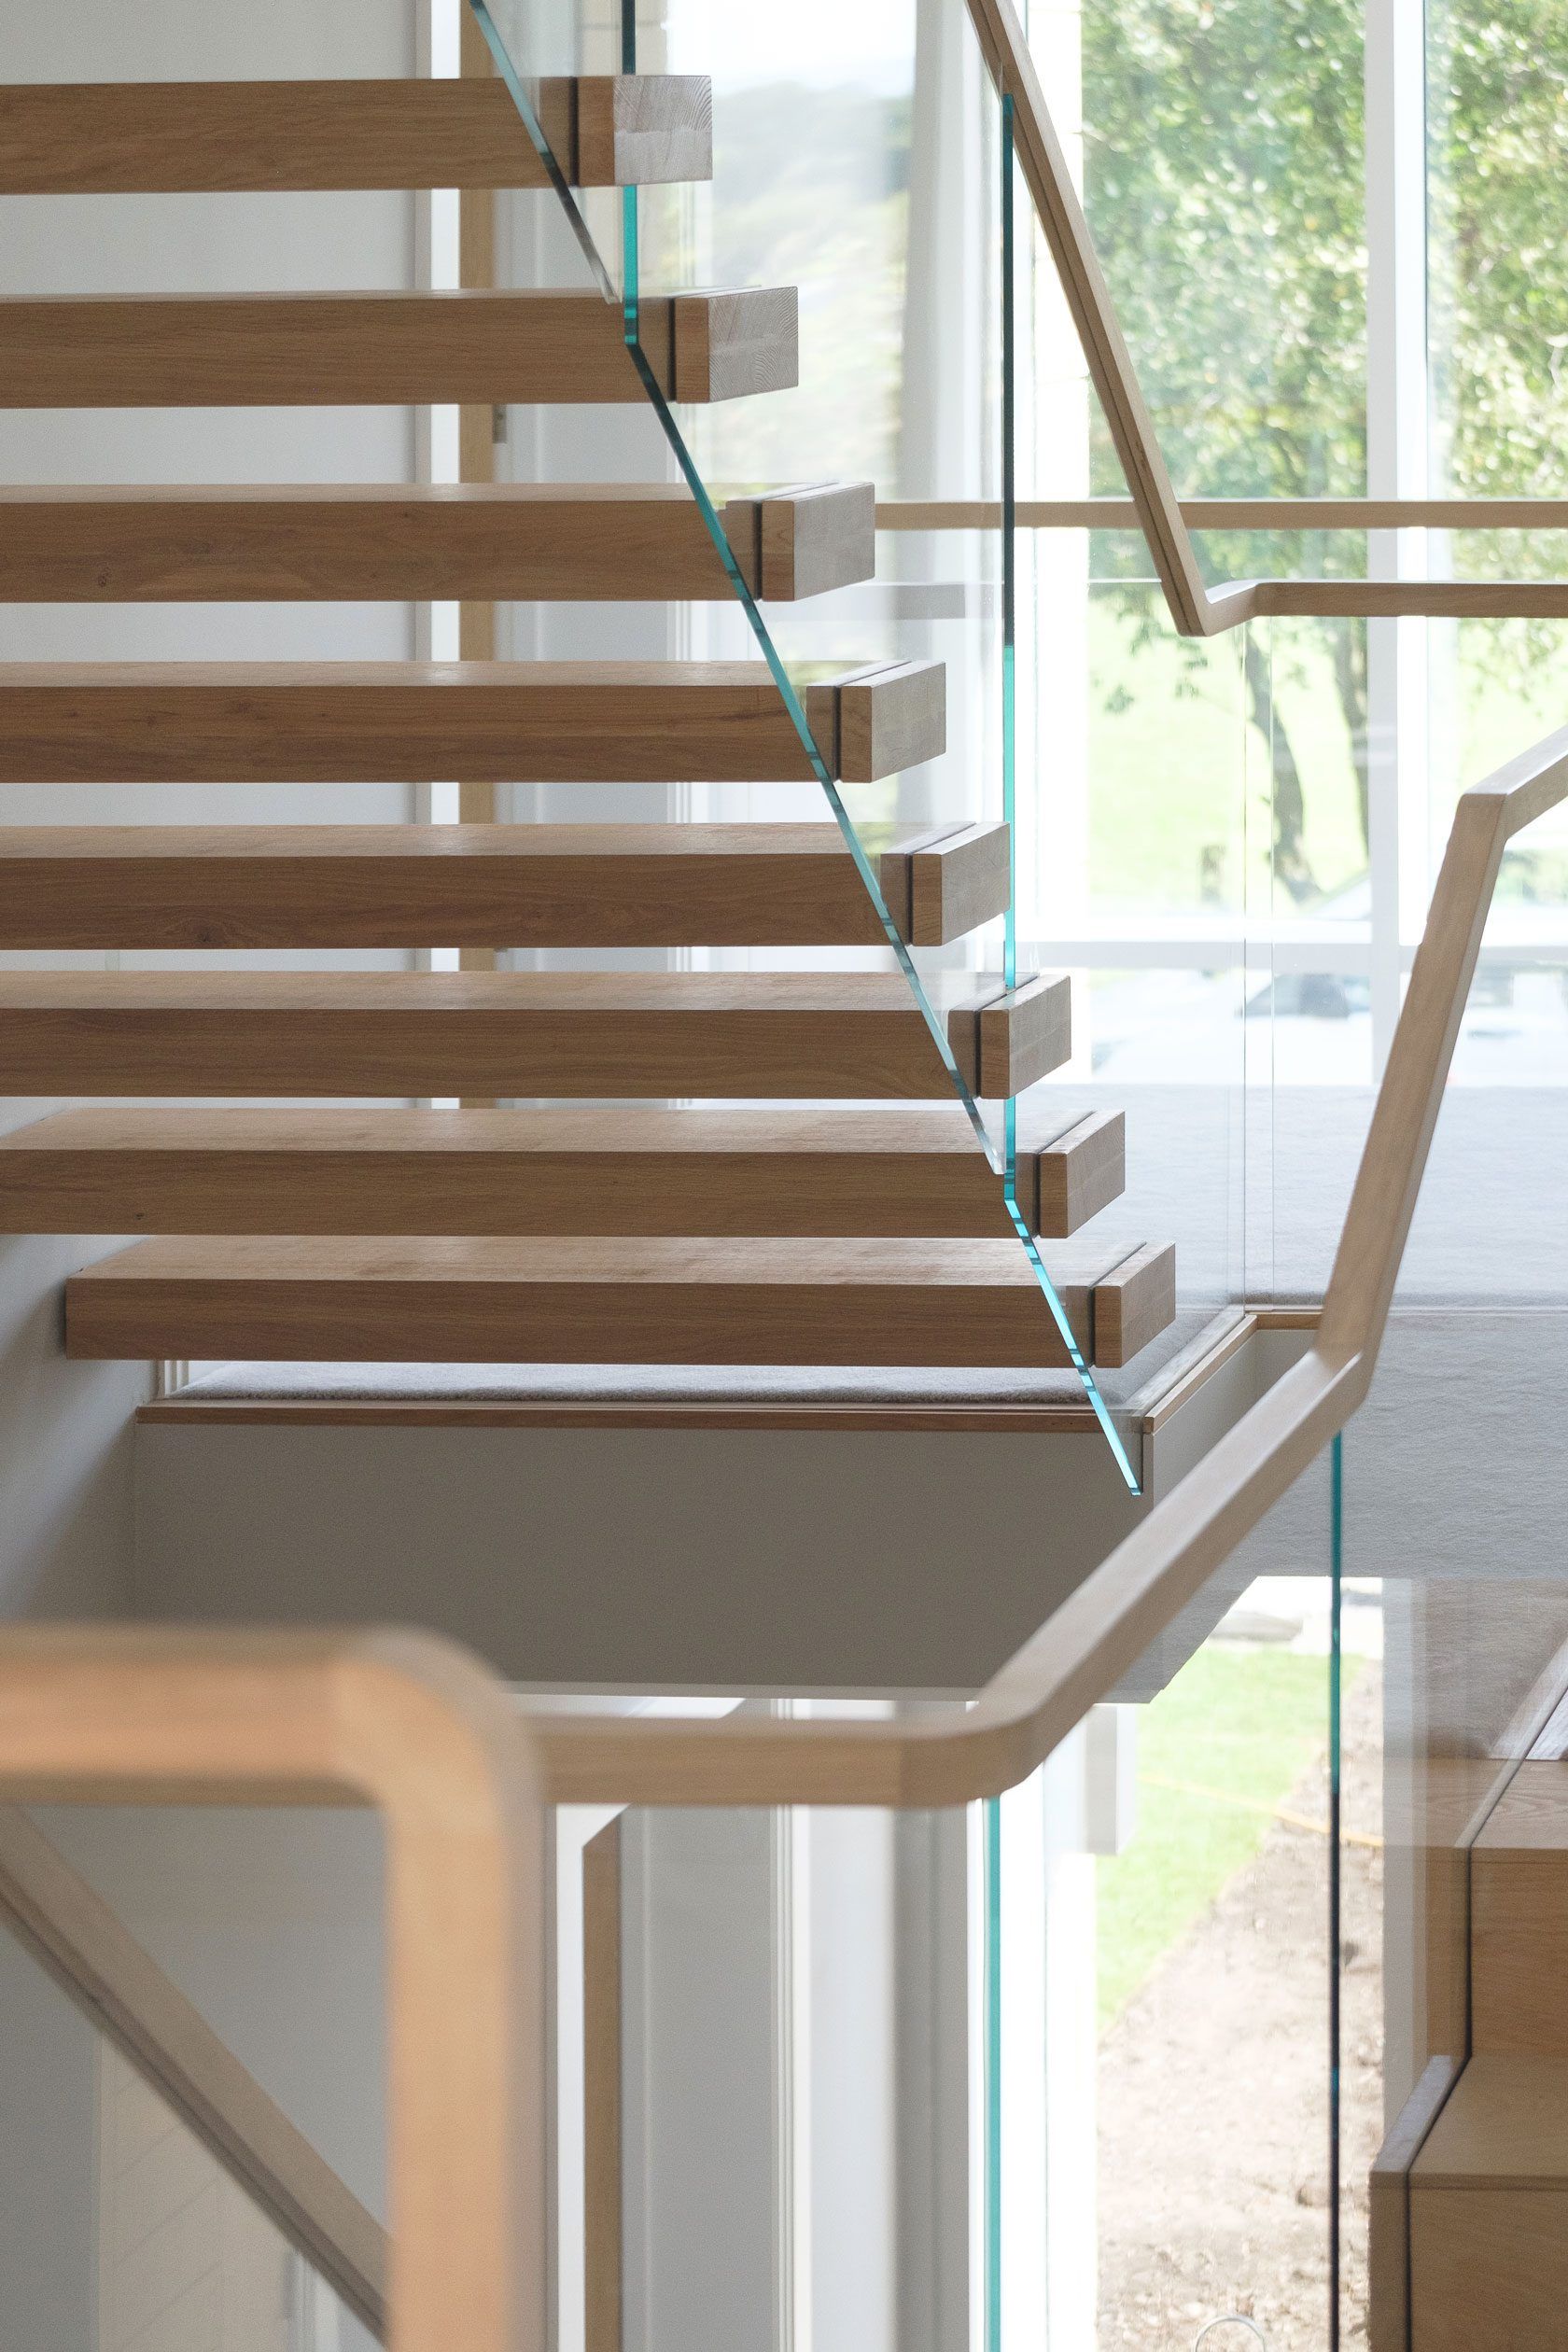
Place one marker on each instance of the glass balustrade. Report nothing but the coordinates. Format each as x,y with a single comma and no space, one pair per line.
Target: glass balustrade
1454,1615
1047,2071
909,380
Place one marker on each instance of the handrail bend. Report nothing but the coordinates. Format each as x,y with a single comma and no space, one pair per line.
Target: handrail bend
1112,1616
1196,610
90,1715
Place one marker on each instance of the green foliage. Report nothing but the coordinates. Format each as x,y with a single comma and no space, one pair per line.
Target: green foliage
1223,176
1498,101
1241,1725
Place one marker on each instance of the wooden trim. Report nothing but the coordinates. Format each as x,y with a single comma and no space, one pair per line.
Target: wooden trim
1110,1620
124,1994
1228,606
602,2119
1179,1381
1064,1420
1232,514
137,1717
1147,1411
1388,2282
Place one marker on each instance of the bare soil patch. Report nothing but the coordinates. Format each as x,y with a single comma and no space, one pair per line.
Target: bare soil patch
1213,2092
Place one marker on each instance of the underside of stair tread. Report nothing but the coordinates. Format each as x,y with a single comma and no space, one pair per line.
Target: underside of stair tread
563,1300
108,138
562,1170
493,885
486,721
374,349
506,541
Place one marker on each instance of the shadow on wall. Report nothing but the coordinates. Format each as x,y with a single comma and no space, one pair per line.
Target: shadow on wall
65,1446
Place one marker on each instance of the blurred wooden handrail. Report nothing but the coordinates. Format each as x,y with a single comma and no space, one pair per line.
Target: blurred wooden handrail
94,1715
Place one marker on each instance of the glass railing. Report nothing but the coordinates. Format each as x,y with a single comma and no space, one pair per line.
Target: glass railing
908,385
1144,800
1454,1613
1047,2071
1191,2005
782,2047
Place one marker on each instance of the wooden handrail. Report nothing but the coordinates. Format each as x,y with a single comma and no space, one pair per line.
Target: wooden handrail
1233,515
92,1715
1196,610
1105,1626
1089,300
119,1988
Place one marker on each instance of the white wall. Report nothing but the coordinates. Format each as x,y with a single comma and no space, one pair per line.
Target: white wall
65,1453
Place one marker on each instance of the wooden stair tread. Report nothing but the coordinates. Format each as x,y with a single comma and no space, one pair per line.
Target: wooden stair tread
482,1034
1519,1917
520,722
505,542
495,886
561,1170
562,1300
1531,1813
379,349
1504,2125
116,137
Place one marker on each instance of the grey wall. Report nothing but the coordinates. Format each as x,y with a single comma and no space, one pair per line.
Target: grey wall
47,2162
270,1922
65,1452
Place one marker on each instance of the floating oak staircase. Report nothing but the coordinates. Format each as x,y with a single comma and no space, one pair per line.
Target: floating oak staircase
871,1234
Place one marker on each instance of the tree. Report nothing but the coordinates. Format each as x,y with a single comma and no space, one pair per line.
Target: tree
1224,180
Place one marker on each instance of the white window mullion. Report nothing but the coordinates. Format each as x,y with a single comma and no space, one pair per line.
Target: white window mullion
1396,467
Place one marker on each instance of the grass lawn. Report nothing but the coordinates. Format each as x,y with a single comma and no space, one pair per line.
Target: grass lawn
1243,1723
1179,775
1177,770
